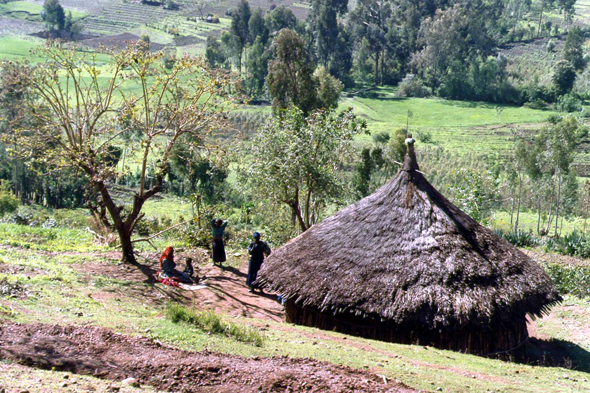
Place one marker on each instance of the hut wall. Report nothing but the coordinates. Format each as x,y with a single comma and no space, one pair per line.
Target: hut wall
475,342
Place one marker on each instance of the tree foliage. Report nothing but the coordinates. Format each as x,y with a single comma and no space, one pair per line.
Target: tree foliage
297,160
83,113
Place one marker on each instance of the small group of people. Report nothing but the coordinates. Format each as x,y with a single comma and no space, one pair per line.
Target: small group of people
169,272
257,249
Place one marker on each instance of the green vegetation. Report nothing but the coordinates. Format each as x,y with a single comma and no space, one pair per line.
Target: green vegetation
208,321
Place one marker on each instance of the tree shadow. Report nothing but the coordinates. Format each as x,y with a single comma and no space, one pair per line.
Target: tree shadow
234,271
474,104
551,353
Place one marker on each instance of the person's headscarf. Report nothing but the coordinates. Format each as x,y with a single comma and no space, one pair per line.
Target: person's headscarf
166,254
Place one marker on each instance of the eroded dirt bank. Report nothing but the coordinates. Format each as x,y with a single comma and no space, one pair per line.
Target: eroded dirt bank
101,352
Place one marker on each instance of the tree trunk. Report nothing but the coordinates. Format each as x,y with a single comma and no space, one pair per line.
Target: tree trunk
512,211
557,202
126,246
377,68
307,208
540,20
518,206
539,216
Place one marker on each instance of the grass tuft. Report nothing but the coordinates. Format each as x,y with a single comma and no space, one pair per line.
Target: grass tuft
208,321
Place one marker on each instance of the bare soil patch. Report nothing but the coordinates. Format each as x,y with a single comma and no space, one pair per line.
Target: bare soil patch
119,41
100,352
563,260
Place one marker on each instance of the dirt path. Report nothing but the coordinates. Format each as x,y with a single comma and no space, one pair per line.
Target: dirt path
225,292
100,352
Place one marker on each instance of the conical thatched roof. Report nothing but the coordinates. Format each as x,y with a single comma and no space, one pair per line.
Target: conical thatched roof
407,255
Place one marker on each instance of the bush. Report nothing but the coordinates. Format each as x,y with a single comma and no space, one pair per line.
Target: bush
424,136
550,46
412,86
519,239
208,321
564,77
381,137
573,244
8,203
569,103
573,280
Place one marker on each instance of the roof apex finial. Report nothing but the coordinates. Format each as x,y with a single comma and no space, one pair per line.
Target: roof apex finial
410,163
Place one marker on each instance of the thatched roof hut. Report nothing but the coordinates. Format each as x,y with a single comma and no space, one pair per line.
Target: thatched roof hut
406,265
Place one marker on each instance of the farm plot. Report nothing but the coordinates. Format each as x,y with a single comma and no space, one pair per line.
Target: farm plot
300,8
30,11
190,27
18,26
532,58
118,18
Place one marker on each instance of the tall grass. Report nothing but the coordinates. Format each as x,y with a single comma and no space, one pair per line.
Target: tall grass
208,321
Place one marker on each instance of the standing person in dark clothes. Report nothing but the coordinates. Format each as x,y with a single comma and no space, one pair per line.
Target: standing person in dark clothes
218,249
257,250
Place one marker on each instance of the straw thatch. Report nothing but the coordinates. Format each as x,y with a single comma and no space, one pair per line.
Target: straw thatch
406,265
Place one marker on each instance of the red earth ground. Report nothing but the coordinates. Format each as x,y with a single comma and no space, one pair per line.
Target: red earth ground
100,352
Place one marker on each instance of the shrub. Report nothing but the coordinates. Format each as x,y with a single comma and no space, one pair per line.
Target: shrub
573,280
564,77
519,239
573,244
412,86
569,103
8,203
550,46
424,136
381,137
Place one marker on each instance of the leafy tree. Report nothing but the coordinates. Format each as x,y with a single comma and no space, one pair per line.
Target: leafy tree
232,47
290,73
328,89
451,35
281,18
53,15
296,160
567,7
330,41
240,28
214,53
8,202
564,76
363,173
369,22
257,58
83,117
293,80
257,27
573,49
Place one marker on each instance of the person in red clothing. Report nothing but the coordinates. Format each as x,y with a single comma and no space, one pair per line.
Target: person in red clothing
169,267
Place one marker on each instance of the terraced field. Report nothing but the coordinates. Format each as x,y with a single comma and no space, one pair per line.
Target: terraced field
118,18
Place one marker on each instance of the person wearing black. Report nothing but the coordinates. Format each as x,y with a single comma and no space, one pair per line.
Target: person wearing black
218,250
257,250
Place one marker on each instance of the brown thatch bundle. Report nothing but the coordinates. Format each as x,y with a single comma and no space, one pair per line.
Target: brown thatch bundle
406,258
